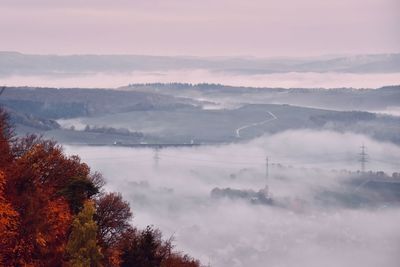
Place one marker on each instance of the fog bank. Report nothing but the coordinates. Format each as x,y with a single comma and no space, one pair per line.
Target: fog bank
171,190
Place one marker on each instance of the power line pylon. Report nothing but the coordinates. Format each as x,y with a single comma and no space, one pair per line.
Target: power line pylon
363,158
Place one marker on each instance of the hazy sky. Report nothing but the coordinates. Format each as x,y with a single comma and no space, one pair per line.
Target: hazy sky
207,27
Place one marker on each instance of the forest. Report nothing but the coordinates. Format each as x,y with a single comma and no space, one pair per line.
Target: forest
54,211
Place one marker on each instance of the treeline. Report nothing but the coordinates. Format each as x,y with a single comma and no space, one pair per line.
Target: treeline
111,130
55,212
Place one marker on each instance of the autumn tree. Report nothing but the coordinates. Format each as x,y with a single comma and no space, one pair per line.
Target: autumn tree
38,177
175,259
45,188
8,225
112,216
48,214
146,248
82,248
142,249
6,134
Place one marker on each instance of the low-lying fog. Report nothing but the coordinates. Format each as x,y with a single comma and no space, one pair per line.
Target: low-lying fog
285,80
173,194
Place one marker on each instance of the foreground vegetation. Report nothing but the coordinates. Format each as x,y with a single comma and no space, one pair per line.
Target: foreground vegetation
55,212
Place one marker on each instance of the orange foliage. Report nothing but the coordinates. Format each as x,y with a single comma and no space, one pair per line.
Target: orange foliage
8,224
41,190
113,257
58,219
36,177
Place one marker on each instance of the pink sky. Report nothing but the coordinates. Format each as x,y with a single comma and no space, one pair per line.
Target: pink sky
204,28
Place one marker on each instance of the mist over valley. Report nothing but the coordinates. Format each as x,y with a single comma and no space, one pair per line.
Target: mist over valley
261,175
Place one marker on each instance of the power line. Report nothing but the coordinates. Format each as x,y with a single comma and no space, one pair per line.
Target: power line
363,159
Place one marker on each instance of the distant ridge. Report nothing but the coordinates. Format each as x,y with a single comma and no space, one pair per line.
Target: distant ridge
15,63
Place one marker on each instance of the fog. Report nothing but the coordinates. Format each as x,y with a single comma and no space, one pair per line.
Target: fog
286,80
171,190
394,111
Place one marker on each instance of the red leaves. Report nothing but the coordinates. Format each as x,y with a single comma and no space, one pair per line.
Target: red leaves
112,217
35,178
42,191
8,223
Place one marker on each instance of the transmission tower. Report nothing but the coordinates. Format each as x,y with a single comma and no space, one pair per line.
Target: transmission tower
266,169
363,158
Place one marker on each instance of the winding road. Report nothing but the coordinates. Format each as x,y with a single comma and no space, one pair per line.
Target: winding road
238,130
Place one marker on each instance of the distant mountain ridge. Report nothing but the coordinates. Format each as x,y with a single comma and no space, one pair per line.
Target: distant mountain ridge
14,63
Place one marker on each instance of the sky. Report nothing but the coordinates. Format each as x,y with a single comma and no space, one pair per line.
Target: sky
262,28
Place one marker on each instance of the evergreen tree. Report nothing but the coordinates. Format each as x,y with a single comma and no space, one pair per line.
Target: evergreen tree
82,246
